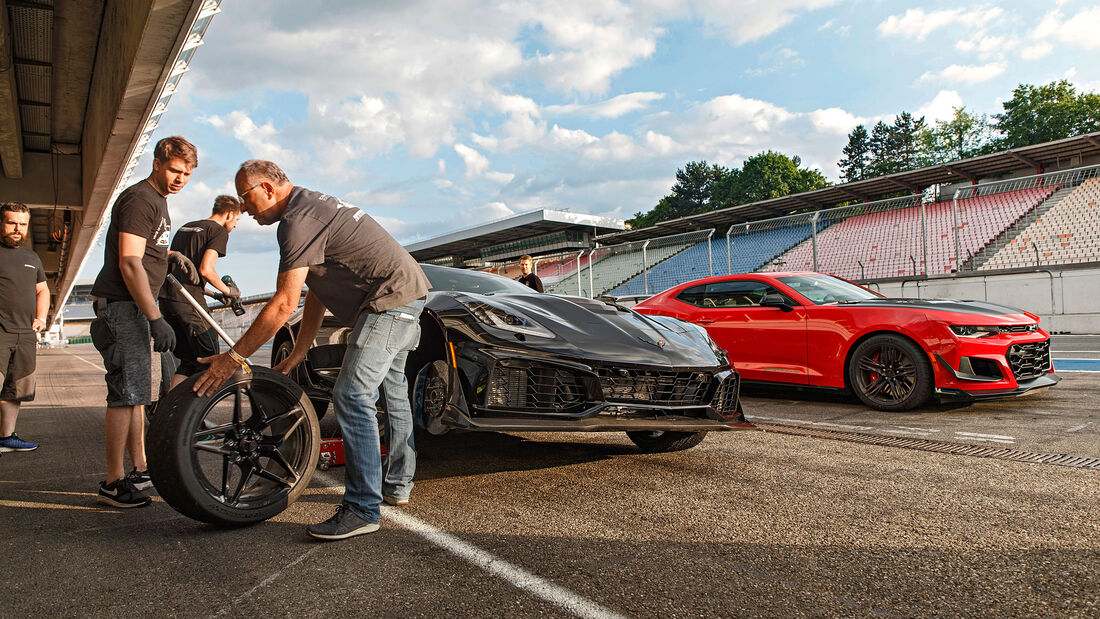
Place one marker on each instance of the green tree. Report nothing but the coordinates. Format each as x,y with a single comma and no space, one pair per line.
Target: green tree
857,155
964,135
690,194
1037,114
765,176
884,151
906,132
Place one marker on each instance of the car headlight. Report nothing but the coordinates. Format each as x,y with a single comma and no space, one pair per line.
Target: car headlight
504,318
975,330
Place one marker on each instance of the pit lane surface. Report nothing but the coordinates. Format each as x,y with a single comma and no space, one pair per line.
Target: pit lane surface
747,523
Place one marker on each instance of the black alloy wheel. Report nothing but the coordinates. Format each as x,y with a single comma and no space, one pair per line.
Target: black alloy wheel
238,456
890,373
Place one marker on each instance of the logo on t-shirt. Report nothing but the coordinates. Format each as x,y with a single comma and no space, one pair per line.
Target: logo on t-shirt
31,266
163,233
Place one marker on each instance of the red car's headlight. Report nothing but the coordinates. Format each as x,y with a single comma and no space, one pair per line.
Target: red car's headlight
987,330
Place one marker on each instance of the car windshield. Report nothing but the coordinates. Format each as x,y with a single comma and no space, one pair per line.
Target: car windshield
827,289
478,282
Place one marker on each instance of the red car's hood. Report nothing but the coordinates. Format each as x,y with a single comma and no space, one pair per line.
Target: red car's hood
981,311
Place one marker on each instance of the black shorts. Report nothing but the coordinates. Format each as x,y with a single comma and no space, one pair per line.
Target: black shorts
18,357
120,333
192,344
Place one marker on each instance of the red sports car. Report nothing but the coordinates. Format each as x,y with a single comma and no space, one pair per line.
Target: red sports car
817,330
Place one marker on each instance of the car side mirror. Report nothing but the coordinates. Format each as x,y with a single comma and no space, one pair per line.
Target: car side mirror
776,300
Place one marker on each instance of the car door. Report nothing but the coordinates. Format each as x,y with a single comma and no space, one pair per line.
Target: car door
764,343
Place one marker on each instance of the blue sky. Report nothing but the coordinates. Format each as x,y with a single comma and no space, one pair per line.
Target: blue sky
435,116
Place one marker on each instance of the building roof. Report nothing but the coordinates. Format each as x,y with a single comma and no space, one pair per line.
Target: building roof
467,243
1068,152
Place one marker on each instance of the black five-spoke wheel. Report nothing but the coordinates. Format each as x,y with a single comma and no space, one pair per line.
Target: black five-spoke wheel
890,373
238,456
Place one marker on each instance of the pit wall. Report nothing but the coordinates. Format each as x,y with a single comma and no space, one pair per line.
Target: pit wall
1068,300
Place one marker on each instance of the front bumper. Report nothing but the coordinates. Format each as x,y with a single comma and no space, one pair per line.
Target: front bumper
1023,387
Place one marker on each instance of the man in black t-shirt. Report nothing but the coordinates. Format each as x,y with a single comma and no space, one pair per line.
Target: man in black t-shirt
529,279
24,302
202,242
135,262
370,283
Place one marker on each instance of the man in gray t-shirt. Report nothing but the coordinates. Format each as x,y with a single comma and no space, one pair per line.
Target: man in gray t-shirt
370,283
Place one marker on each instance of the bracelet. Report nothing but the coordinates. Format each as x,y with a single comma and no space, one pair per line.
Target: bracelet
237,357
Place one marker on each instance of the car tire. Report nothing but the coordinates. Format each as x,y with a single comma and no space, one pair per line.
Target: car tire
238,456
890,373
664,441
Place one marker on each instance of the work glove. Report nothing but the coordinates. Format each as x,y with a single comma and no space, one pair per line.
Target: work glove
234,293
164,338
183,269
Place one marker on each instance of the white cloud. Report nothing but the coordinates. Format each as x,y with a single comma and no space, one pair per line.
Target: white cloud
476,163
1080,30
614,107
942,107
751,20
918,24
262,141
967,74
777,60
1037,51
571,138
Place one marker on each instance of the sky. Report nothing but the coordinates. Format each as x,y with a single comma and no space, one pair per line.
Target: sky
436,116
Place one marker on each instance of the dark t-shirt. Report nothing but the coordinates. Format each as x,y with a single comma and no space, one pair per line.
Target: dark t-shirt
192,240
20,272
140,210
354,265
531,281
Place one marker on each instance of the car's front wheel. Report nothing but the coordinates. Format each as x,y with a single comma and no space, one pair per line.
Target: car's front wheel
238,456
661,441
890,373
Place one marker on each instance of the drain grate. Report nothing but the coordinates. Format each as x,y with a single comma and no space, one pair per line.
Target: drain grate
958,449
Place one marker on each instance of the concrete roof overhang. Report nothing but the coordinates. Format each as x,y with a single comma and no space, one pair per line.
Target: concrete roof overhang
81,82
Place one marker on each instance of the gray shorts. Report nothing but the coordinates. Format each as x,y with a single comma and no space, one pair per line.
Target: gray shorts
17,362
120,333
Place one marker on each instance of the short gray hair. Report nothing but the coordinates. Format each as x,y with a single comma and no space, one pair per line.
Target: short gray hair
255,169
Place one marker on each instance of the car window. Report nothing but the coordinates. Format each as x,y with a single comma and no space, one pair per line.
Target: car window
823,289
737,293
458,280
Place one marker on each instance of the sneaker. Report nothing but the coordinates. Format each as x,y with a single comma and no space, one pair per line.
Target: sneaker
396,501
343,524
140,479
14,443
121,493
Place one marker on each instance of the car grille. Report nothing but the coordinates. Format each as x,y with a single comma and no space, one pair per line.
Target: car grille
654,386
537,387
725,399
1029,360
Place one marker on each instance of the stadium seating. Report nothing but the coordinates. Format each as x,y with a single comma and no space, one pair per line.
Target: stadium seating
1067,233
748,252
614,265
891,243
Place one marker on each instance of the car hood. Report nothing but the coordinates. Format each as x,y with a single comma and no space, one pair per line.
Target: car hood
980,310
596,330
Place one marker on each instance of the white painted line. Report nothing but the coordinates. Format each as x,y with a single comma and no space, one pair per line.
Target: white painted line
265,582
514,575
917,429
803,422
989,438
94,365
977,435
1080,427
908,432
1044,413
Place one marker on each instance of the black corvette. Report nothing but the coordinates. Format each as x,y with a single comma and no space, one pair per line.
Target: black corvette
494,356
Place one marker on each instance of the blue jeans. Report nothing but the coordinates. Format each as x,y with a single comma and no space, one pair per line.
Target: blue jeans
376,353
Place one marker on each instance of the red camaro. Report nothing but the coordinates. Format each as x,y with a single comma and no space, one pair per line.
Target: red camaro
895,354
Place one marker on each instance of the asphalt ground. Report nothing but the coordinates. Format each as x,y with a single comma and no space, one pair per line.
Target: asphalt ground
745,524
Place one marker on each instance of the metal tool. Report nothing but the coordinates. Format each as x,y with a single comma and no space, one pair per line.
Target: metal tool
210,320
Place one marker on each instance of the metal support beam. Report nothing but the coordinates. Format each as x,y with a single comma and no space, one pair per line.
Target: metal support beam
1027,160
11,126
905,185
963,173
849,192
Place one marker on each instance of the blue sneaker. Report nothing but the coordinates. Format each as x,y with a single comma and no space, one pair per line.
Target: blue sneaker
14,443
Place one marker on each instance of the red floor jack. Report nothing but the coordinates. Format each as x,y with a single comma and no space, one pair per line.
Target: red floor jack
332,453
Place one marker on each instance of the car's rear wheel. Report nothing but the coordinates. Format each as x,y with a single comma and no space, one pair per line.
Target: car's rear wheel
238,456
661,441
890,373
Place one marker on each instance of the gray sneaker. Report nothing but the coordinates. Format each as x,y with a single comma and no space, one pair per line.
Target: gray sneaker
343,524
396,501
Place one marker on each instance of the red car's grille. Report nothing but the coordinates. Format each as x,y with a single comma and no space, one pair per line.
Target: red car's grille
654,386
1029,360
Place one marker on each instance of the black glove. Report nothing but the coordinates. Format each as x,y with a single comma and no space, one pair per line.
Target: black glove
233,294
183,269
164,338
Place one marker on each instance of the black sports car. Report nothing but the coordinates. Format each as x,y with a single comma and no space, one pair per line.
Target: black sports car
495,356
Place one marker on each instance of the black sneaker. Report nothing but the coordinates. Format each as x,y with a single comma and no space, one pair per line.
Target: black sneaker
140,479
343,524
121,493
